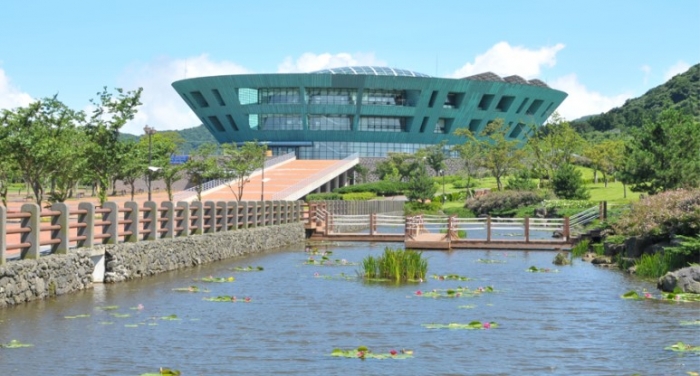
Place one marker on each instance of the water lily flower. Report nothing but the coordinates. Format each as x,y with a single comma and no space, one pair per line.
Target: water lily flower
419,292
361,354
647,295
392,352
316,274
343,261
677,297
233,298
247,299
139,307
487,325
420,280
480,289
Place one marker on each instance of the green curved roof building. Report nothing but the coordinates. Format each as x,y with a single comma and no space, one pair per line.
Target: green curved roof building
332,113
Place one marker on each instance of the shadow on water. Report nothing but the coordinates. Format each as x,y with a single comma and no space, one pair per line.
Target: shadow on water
569,322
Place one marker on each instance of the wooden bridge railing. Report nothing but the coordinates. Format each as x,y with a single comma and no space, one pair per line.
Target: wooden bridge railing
61,227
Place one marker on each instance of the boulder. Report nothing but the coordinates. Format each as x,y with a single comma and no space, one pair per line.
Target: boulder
687,279
635,245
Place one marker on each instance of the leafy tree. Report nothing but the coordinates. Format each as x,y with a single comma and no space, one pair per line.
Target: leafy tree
237,163
111,113
568,184
434,156
162,145
401,164
132,164
521,181
469,153
201,166
553,145
363,172
39,141
494,151
606,157
170,174
421,186
663,154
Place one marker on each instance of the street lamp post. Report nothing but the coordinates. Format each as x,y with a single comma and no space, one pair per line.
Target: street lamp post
442,172
149,131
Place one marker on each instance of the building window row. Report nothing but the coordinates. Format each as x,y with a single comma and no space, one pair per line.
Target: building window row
382,124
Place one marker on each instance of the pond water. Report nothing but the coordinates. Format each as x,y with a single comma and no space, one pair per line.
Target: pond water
560,323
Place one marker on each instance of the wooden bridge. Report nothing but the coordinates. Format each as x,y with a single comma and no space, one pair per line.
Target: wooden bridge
449,232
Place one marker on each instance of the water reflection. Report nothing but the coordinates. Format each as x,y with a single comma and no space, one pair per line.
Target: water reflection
570,322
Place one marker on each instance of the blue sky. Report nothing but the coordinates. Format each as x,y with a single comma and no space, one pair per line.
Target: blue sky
601,52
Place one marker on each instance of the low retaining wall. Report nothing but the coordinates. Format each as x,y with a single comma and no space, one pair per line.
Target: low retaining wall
26,280
135,260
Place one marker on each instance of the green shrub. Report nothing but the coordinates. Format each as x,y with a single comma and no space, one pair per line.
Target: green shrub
521,181
598,249
462,184
415,207
580,248
459,212
615,239
380,188
568,184
501,202
323,197
359,196
672,212
653,266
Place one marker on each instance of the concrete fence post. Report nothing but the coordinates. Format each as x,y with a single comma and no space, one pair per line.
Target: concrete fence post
243,208
132,227
269,213
111,229
169,215
277,212
184,222
253,213
221,216
150,220
34,235
233,209
198,213
87,220
3,235
209,217
62,233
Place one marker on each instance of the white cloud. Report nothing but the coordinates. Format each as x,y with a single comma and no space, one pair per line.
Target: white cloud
582,101
647,72
10,96
677,68
505,60
162,107
309,62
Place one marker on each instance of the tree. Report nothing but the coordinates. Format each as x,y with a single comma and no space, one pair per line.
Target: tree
163,145
494,151
663,154
606,157
469,153
567,184
553,145
401,164
170,174
434,156
362,171
40,140
420,185
111,113
237,163
201,166
133,164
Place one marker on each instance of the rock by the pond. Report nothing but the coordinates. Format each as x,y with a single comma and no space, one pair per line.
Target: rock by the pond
561,258
687,279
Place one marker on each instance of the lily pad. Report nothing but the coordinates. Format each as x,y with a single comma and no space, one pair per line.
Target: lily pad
534,269
451,277
121,315
162,372
342,276
474,325
694,322
490,261
15,344
228,299
77,316
190,289
211,279
363,353
682,297
170,318
631,295
248,269
325,261
108,308
683,347
458,292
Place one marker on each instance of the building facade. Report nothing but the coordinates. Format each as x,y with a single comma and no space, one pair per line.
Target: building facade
372,111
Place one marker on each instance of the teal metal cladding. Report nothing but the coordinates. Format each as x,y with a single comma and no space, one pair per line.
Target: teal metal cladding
362,108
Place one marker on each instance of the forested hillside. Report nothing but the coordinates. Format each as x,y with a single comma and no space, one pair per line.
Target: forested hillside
194,137
681,92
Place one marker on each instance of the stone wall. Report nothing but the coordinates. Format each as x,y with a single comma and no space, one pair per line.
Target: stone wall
26,280
135,260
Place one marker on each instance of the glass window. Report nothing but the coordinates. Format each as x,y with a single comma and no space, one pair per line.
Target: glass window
279,96
382,124
330,122
280,122
247,96
331,96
